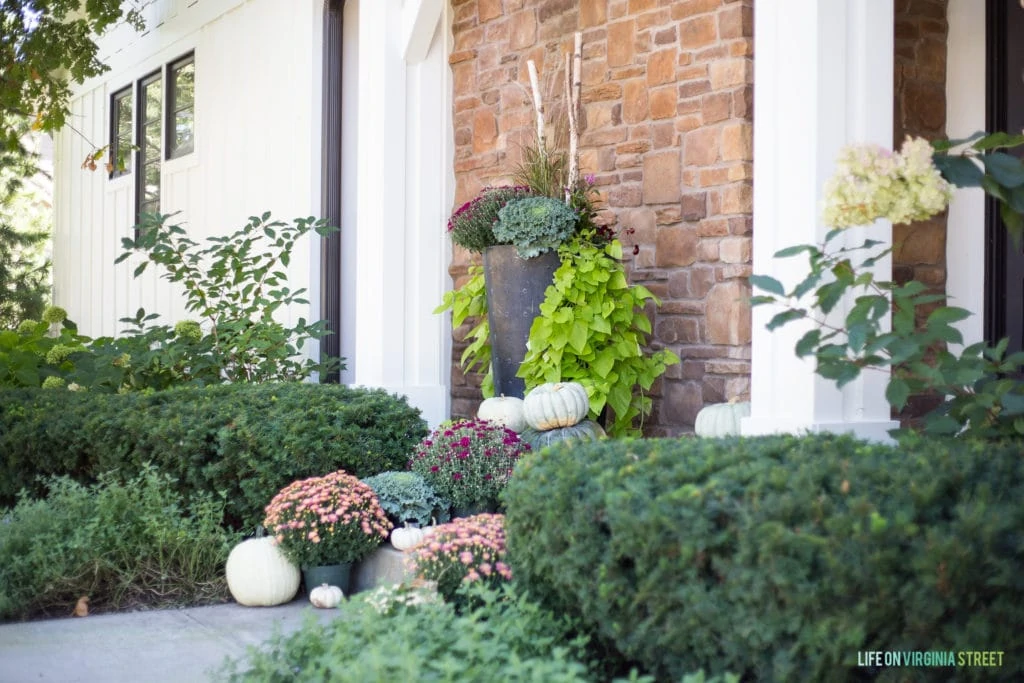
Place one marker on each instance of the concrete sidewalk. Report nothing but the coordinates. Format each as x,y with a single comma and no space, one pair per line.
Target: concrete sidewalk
163,646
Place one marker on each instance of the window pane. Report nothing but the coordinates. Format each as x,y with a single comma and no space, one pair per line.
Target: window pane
120,132
124,115
122,155
152,178
183,127
153,94
184,85
152,140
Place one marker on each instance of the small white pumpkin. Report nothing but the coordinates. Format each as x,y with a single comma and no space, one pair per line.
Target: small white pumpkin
721,419
504,410
556,404
259,574
406,537
326,597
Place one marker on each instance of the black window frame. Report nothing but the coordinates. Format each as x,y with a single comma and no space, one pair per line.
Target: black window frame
142,159
117,149
173,108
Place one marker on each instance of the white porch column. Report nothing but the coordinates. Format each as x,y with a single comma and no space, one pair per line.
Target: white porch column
823,78
394,240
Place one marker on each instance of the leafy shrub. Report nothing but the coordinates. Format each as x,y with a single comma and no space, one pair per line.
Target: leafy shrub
468,462
407,497
39,350
507,638
535,225
242,443
321,521
467,550
778,558
472,225
123,545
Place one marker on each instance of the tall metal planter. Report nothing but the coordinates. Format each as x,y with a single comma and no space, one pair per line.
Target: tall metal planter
515,290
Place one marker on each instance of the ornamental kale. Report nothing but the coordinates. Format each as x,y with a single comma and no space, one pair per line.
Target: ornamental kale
407,497
472,224
535,225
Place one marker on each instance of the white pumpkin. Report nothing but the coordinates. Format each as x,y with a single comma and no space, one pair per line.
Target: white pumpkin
326,597
558,404
406,537
504,410
721,419
259,575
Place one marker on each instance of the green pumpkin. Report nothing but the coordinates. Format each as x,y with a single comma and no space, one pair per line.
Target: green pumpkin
588,430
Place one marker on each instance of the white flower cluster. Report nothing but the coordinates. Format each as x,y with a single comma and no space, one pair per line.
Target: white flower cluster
871,182
385,599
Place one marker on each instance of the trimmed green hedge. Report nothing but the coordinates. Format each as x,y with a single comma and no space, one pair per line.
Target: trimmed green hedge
779,558
242,442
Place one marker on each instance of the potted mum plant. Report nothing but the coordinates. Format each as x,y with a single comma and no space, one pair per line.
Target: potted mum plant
468,462
325,524
465,551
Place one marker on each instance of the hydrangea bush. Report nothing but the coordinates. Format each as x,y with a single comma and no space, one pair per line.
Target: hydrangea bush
468,462
882,328
333,519
466,550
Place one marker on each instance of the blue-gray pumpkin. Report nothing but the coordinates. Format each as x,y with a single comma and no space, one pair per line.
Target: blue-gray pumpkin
588,430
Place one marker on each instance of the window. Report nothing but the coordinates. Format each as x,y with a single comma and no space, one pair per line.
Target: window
147,190
156,130
121,132
181,107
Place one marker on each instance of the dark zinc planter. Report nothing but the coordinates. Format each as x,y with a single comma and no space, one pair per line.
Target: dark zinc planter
515,291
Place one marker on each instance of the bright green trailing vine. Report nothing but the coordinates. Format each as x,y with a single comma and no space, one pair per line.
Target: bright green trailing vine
470,301
591,329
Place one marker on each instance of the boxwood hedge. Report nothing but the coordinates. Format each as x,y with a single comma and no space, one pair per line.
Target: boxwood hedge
780,558
240,442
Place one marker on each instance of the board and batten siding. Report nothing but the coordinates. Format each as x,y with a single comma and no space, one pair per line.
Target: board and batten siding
258,147
256,111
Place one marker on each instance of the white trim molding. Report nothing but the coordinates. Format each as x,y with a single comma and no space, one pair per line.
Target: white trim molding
824,75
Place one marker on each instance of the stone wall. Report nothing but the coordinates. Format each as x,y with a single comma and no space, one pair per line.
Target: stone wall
667,93
919,249
920,110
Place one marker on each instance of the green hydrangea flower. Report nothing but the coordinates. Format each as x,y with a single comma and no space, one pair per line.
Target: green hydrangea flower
27,326
188,329
53,383
58,354
54,314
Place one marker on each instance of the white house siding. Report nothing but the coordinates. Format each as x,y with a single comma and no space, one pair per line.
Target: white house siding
258,147
253,153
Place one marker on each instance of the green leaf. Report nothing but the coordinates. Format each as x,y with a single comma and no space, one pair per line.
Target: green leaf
793,251
897,393
768,284
998,139
959,171
578,336
784,317
808,343
1005,168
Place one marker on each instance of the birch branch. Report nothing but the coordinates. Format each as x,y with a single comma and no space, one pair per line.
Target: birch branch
574,87
538,105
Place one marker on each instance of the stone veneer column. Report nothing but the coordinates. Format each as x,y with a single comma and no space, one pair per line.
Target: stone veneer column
823,79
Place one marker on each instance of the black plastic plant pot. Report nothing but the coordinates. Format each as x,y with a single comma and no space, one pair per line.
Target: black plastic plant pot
515,290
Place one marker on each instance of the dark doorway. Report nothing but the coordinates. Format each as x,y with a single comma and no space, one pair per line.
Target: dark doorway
1004,260
330,247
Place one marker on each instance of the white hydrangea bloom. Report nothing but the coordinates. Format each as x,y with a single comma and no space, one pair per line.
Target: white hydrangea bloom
870,183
